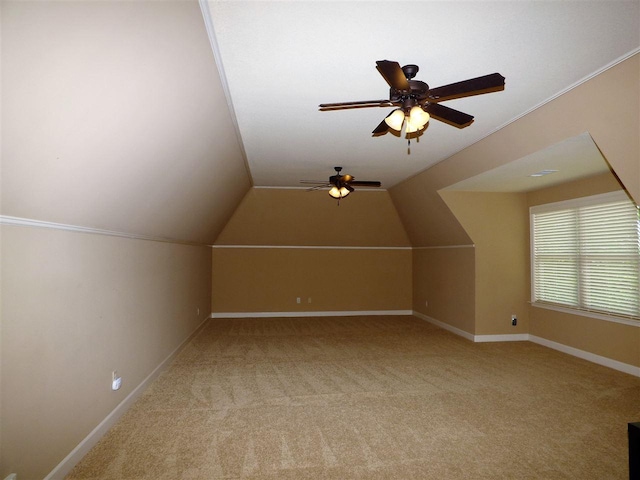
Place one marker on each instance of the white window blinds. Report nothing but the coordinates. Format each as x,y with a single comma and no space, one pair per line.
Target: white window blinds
586,255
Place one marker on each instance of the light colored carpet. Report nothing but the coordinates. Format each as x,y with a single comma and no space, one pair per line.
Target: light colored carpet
369,398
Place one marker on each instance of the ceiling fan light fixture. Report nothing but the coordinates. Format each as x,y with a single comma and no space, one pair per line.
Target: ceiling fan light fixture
395,119
418,117
339,193
341,186
411,127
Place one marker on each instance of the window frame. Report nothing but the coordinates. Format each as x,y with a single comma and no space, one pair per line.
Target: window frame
598,199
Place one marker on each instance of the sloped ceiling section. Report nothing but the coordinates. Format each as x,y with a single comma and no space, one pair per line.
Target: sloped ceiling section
114,117
281,217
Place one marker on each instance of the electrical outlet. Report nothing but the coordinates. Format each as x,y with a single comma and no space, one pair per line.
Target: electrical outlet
514,320
116,381
297,299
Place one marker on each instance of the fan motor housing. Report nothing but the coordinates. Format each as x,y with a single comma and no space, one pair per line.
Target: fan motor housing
418,90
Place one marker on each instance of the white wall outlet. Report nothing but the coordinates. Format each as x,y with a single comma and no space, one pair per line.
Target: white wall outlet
297,299
116,381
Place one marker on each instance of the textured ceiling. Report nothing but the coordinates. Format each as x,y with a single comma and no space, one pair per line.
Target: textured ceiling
281,59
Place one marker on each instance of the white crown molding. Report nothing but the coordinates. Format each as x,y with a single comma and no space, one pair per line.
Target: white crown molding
211,33
346,313
265,187
312,247
444,246
612,64
584,79
27,222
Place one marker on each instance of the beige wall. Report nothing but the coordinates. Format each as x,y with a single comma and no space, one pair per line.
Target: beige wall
270,279
76,306
447,292
612,340
595,185
498,226
614,126
498,268
114,116
373,273
277,216
609,339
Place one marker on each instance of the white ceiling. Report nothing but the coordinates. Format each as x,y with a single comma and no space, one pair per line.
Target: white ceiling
280,59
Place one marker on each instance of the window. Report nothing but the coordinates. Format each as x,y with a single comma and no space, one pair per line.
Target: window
585,255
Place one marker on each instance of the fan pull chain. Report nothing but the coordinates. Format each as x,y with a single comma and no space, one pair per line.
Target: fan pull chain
409,144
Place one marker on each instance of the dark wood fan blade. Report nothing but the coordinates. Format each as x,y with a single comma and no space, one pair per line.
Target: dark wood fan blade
364,183
474,86
449,115
381,129
323,107
393,74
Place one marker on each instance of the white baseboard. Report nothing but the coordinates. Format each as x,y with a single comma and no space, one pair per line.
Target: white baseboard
70,461
576,352
512,337
347,313
591,357
445,326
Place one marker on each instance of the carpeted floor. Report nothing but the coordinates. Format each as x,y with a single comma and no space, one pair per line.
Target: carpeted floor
369,398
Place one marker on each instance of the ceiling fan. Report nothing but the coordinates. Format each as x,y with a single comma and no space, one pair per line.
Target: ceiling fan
416,102
341,185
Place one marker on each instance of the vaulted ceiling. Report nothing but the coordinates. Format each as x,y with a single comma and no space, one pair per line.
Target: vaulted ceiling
282,59
155,118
